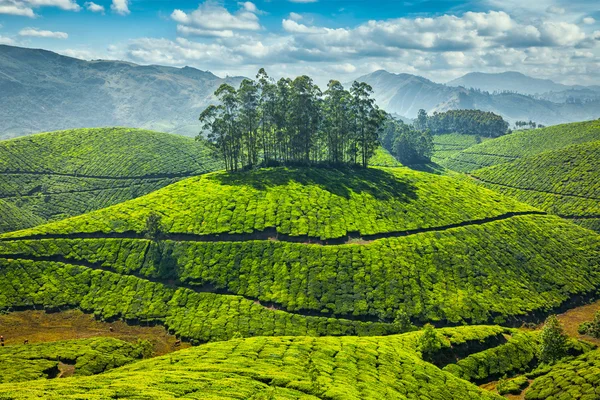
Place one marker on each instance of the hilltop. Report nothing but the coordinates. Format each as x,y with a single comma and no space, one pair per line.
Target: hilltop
522,144
72,93
563,182
55,175
329,251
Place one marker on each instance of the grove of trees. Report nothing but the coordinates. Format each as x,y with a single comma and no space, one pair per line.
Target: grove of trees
469,122
292,122
407,144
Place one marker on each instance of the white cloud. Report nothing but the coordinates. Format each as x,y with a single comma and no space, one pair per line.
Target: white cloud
93,7
295,16
120,7
34,32
589,21
295,27
211,16
6,40
190,31
25,8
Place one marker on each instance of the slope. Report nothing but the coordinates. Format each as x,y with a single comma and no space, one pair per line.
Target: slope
317,250
522,144
60,174
280,367
564,182
71,93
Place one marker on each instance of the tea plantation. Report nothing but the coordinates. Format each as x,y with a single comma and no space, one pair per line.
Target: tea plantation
343,368
86,356
450,144
522,144
316,203
563,182
55,175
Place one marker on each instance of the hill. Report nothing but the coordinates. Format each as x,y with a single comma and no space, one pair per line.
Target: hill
336,368
71,93
305,251
56,175
450,144
405,94
522,144
282,367
563,182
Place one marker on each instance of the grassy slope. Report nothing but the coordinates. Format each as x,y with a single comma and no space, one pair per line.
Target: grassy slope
481,272
521,144
60,174
88,357
15,218
448,145
383,158
565,182
318,202
283,367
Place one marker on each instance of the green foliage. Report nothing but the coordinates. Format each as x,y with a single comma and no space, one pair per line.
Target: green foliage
317,202
88,356
553,341
383,158
468,122
154,227
591,328
55,175
570,380
408,145
512,386
541,262
450,144
523,144
336,368
430,342
563,182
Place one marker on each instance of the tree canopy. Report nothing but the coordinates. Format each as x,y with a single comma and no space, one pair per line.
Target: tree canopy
470,122
292,122
407,144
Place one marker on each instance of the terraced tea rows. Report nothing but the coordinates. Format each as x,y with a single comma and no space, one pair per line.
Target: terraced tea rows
563,182
383,158
313,203
449,145
523,144
60,174
281,367
83,357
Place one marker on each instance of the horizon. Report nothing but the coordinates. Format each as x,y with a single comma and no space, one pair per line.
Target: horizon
439,40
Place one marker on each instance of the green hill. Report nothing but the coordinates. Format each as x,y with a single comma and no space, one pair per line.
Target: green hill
383,158
450,144
55,175
522,144
79,357
305,252
564,182
15,218
343,368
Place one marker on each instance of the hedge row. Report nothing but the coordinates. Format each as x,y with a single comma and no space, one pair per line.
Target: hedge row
198,316
317,202
335,368
14,218
497,270
450,144
522,144
88,356
569,380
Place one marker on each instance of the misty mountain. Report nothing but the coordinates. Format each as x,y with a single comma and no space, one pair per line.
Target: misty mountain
405,94
45,91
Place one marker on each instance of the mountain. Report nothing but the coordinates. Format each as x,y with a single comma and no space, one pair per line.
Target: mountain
55,175
513,82
43,91
405,94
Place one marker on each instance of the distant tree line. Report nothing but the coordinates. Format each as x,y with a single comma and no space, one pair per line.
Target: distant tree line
527,125
469,122
292,122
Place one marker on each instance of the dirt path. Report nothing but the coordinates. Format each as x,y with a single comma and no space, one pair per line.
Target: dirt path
39,326
574,317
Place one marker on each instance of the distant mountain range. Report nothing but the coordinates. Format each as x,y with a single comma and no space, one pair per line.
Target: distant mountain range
405,94
44,91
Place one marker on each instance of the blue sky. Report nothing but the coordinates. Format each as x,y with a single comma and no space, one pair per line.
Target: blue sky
443,39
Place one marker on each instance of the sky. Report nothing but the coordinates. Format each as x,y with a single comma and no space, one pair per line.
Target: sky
326,39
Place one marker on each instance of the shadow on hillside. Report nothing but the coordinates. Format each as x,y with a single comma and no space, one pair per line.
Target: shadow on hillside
429,167
342,182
